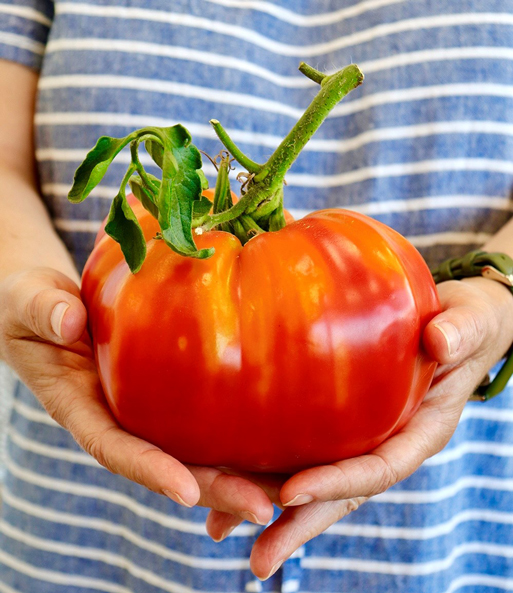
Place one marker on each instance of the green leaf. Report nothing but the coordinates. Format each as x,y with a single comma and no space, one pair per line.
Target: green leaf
123,226
181,186
146,195
95,165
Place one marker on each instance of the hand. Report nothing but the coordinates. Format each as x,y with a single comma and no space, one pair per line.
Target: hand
43,337
472,333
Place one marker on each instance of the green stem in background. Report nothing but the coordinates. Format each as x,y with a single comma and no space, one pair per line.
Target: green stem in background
269,178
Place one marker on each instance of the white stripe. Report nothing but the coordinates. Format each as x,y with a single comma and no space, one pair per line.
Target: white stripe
420,533
436,55
368,173
77,155
21,42
60,578
34,415
100,555
253,102
433,203
483,580
180,53
308,20
340,528
78,226
484,413
470,447
113,497
296,81
403,568
343,109
62,189
169,88
26,12
106,495
444,493
6,589
336,146
303,51
39,448
422,241
467,89
400,170
116,529
290,586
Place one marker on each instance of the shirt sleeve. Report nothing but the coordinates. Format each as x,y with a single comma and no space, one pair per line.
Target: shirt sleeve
24,29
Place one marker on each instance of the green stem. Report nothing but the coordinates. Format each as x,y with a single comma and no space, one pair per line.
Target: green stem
235,151
268,180
333,89
311,73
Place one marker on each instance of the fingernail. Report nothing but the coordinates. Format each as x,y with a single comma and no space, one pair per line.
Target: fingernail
451,335
298,500
174,496
225,534
251,517
57,316
273,570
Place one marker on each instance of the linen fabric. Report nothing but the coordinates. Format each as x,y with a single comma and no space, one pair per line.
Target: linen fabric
424,145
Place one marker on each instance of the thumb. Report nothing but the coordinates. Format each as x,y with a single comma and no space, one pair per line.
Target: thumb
43,304
462,328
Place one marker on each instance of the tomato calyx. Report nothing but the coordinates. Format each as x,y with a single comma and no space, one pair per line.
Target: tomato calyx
176,200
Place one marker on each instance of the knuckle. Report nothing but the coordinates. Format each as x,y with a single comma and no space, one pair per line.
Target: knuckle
387,475
93,443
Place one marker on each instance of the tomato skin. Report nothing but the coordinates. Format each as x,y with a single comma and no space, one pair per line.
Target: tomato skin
301,348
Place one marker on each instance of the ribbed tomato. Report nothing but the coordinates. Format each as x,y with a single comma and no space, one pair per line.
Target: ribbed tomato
300,348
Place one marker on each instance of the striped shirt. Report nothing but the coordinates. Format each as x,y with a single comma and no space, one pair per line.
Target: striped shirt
425,145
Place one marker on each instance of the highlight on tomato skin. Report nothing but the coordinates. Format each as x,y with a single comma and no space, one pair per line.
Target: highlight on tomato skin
275,356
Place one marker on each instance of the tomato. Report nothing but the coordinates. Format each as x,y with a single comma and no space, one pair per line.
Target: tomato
301,348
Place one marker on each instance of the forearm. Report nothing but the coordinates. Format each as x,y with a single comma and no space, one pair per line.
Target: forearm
27,236
502,241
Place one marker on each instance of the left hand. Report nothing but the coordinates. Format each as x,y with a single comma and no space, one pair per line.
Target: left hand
470,335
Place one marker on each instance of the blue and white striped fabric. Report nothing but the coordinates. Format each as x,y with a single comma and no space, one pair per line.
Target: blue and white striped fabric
425,145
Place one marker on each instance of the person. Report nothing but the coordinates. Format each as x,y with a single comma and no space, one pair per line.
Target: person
424,145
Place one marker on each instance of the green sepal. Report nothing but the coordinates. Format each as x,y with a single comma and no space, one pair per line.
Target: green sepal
123,226
95,165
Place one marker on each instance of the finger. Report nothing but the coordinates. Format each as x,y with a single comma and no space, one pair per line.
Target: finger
219,525
292,529
82,410
397,458
468,321
43,304
271,484
232,495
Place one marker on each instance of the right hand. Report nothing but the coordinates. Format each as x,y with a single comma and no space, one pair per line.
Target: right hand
44,338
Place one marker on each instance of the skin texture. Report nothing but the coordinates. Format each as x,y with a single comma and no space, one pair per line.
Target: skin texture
297,331
472,332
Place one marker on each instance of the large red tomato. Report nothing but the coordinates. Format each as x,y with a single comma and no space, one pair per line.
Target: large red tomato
301,348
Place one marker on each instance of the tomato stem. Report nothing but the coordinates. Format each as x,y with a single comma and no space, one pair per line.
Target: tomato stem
264,197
